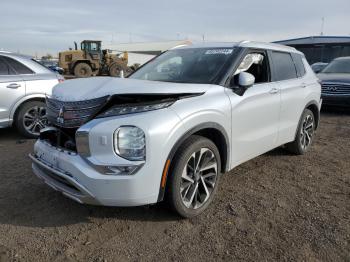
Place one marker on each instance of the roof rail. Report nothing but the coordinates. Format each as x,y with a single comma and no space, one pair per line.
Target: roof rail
243,42
177,46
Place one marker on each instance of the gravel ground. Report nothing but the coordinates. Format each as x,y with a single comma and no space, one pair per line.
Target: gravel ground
275,207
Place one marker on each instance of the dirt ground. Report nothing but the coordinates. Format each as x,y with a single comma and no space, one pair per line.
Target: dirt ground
275,207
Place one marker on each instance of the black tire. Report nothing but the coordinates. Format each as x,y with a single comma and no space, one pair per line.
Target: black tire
82,70
31,113
115,69
183,157
298,146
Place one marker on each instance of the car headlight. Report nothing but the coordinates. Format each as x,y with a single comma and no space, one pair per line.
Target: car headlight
130,109
130,143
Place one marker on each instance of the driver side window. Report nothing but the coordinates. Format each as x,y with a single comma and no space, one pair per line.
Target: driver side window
257,64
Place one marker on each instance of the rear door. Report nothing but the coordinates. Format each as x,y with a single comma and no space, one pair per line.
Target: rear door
292,85
12,88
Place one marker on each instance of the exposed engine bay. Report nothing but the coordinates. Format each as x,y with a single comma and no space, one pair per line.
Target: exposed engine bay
66,117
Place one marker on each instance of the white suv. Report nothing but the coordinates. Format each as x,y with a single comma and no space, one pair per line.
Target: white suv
175,125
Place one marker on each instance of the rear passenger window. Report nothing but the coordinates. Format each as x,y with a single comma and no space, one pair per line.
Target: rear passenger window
4,69
298,61
284,66
18,67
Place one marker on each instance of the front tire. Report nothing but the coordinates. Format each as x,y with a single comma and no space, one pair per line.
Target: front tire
82,70
31,118
194,176
305,134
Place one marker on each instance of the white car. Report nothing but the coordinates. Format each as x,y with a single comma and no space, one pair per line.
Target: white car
175,125
24,83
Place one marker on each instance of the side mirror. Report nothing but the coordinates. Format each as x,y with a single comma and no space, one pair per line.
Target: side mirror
245,80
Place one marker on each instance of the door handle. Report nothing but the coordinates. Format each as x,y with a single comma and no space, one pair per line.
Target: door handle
13,85
274,90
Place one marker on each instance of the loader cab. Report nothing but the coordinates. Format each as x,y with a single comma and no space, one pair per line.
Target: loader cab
92,48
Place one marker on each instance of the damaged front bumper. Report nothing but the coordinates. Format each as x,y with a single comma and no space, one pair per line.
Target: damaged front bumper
70,174
88,170
62,181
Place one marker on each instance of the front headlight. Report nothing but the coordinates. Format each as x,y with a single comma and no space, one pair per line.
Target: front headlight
130,109
130,143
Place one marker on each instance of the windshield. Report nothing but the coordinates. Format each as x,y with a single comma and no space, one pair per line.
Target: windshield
192,65
338,66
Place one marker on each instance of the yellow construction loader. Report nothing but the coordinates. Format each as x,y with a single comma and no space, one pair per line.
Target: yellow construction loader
91,60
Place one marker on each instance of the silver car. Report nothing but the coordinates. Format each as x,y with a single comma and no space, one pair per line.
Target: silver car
175,125
24,83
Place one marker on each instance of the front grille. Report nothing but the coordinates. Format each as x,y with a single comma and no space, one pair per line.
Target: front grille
335,89
73,114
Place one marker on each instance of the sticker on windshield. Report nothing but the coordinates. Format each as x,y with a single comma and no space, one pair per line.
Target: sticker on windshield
218,51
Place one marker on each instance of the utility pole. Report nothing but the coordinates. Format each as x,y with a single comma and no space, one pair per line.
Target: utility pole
322,25
203,37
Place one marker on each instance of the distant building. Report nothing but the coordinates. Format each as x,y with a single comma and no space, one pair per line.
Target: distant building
320,48
141,52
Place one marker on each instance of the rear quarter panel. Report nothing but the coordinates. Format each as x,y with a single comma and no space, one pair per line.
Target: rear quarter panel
294,100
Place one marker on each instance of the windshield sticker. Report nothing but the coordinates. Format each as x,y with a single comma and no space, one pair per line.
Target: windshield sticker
218,51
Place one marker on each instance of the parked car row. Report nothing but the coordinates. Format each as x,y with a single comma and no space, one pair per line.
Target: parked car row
318,67
52,65
171,128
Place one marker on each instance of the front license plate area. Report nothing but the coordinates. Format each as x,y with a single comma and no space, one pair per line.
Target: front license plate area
50,158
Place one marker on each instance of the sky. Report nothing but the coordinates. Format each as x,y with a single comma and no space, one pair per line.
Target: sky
38,27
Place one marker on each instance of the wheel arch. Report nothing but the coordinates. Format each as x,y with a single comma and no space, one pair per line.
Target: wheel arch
313,106
15,109
211,130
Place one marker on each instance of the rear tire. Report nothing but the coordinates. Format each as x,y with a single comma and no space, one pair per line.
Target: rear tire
194,176
82,70
31,118
305,134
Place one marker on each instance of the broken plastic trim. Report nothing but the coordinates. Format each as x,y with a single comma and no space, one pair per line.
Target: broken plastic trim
248,61
130,109
137,103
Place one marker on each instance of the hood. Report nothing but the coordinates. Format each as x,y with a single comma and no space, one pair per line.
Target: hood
337,78
95,87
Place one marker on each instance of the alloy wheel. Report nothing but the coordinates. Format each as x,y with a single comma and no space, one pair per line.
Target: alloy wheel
307,132
198,178
35,119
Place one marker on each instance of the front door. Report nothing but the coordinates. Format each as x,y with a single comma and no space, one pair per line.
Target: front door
255,115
